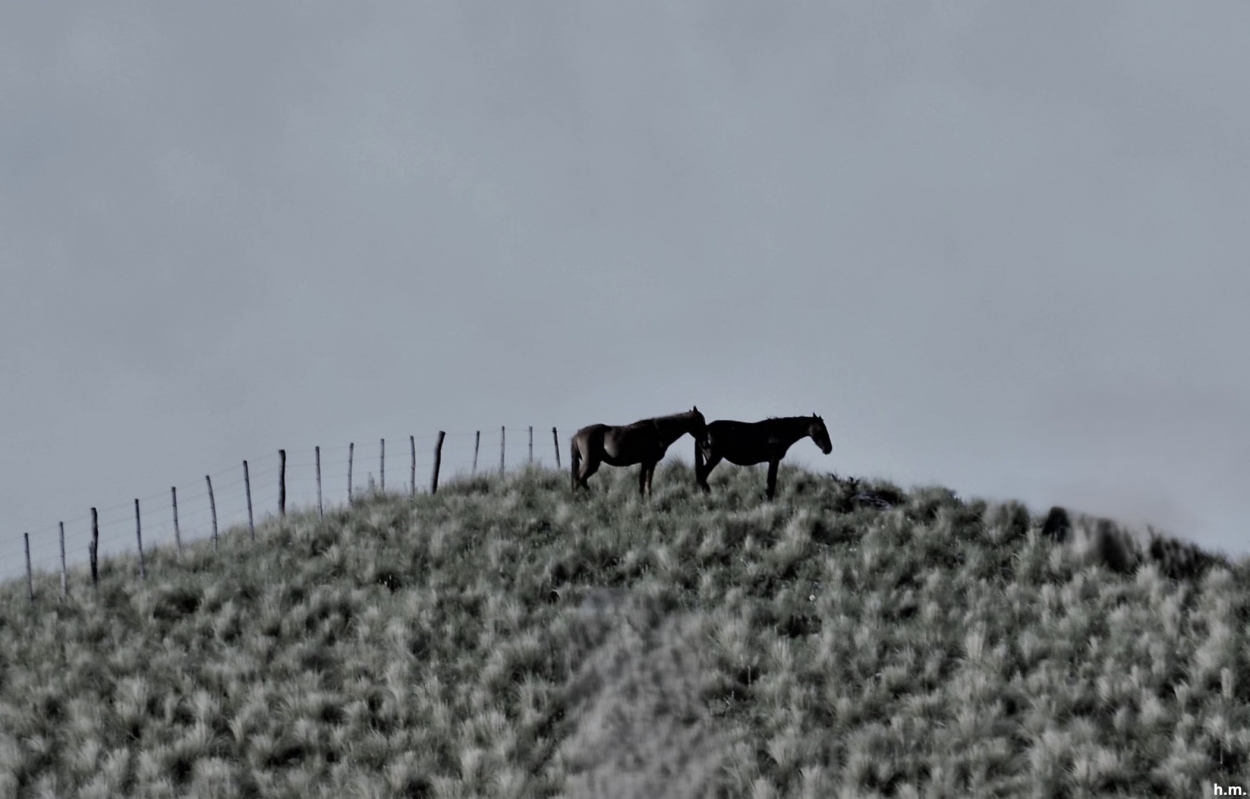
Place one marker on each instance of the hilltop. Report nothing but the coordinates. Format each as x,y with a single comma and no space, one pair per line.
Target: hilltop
507,638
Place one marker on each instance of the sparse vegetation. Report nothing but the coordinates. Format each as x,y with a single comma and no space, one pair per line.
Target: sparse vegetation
506,638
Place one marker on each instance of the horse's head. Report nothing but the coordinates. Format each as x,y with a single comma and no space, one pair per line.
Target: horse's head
820,434
699,429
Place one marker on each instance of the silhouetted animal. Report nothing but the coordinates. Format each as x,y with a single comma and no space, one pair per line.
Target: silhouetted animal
643,442
748,443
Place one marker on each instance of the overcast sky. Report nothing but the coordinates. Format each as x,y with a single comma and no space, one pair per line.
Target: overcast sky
1000,247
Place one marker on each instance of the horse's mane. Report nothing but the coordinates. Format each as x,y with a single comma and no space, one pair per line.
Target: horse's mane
672,416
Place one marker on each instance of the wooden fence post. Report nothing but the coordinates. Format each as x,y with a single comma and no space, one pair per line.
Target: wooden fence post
94,549
281,484
477,442
531,445
555,437
143,569
212,504
64,571
412,442
30,579
351,451
503,437
247,488
320,511
173,490
382,467
438,462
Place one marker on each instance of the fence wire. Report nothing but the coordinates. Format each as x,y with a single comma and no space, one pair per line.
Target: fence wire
465,453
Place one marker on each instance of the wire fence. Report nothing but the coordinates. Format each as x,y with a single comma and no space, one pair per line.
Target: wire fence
259,489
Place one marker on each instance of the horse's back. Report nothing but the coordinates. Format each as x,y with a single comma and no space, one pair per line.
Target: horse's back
584,439
625,445
743,443
605,440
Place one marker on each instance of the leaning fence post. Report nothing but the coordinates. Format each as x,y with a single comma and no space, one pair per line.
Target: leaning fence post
173,490
212,504
64,572
477,442
503,433
555,438
30,579
143,569
438,462
412,442
94,549
247,489
320,511
531,445
382,467
281,483
351,451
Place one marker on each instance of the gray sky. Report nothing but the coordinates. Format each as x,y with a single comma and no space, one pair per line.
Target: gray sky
1000,247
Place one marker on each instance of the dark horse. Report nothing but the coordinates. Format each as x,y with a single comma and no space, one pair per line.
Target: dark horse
642,442
748,443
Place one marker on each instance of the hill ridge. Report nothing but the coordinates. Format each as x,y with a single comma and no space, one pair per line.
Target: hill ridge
505,638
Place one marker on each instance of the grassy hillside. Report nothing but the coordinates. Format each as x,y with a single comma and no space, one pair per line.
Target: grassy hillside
504,638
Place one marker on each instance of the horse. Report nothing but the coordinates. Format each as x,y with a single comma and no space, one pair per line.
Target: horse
643,442
749,443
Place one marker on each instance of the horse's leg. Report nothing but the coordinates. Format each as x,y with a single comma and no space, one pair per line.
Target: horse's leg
642,479
583,469
698,464
575,460
650,477
707,470
772,477
589,467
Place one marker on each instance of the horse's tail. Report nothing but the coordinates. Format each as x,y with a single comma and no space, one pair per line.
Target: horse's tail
575,458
